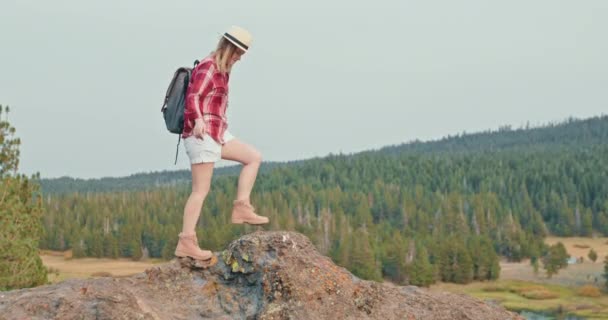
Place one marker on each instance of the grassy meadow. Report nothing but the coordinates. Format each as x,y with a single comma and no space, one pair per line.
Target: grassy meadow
62,267
575,275
539,297
573,290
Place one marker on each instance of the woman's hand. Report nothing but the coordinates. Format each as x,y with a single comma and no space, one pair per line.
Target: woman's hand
199,128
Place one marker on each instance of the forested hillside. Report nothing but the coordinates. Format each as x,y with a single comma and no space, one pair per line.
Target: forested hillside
138,181
414,213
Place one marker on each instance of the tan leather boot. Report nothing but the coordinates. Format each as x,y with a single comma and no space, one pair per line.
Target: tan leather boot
243,212
188,247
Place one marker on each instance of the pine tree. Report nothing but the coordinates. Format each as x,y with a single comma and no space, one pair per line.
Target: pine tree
605,274
592,255
421,271
342,248
20,217
555,259
9,146
587,223
78,246
136,252
485,260
534,263
455,263
363,262
393,263
95,245
534,257
464,270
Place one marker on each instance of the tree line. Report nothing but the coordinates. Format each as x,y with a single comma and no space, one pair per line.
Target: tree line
408,216
404,213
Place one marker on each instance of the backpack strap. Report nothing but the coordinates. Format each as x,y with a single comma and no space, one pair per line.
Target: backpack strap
177,149
196,62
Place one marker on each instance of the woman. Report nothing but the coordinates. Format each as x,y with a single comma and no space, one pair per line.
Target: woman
207,140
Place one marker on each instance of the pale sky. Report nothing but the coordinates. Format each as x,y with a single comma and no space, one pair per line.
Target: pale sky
86,79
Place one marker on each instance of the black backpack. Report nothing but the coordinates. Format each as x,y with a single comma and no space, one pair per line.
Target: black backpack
175,102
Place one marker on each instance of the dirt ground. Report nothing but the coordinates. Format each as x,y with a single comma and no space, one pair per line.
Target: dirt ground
87,267
574,275
576,246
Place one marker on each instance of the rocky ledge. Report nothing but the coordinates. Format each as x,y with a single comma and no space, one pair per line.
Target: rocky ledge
262,275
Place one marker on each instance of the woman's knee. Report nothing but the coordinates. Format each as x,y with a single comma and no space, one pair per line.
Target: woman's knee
256,157
199,194
253,158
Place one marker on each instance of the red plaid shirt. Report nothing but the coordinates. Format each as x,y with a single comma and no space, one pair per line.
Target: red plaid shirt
207,98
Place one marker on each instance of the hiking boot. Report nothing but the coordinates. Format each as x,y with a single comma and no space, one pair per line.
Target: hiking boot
243,212
188,247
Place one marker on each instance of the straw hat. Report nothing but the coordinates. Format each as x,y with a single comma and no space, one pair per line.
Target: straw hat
239,37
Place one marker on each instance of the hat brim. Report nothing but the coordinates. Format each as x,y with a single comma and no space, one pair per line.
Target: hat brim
235,42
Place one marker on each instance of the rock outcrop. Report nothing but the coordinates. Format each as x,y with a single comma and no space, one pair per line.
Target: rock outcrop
263,275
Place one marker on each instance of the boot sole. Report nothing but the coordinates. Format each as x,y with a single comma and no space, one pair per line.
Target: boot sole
197,264
247,222
181,254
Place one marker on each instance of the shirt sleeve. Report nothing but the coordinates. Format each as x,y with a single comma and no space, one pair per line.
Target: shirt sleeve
202,83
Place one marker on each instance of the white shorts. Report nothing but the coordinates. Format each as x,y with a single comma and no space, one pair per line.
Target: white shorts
206,149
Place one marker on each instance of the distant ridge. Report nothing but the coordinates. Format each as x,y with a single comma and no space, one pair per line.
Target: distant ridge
138,181
571,134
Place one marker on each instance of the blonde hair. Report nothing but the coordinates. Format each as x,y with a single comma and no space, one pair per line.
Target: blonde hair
223,53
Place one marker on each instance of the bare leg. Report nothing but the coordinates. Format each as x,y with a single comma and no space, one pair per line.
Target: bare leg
251,159
201,183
